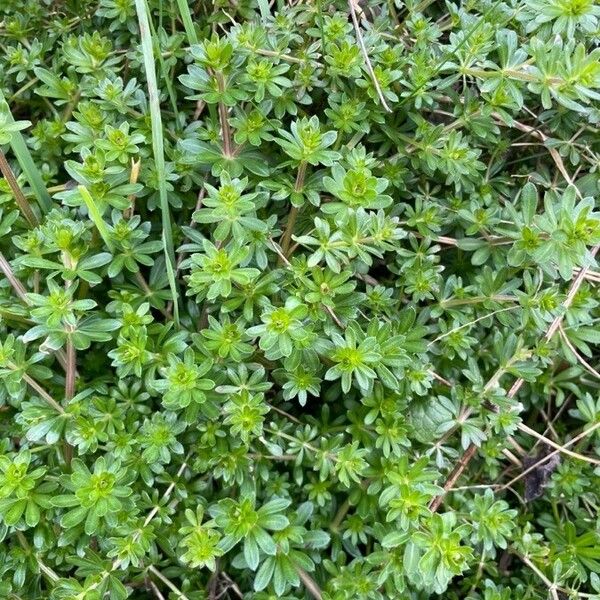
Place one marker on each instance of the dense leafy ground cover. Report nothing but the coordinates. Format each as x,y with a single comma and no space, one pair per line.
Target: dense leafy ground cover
299,300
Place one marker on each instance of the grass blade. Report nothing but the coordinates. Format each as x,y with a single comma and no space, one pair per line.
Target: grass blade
31,172
188,23
166,77
96,216
158,145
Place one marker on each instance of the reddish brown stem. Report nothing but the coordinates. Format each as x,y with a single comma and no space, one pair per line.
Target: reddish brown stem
289,229
16,285
20,199
453,477
21,292
554,326
223,118
286,238
71,371
34,385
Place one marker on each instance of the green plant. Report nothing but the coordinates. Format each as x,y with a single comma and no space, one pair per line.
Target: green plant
299,300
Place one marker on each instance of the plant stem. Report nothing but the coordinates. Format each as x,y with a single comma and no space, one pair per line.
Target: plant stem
155,590
71,372
286,238
31,172
522,427
549,456
339,516
143,284
511,74
223,118
16,285
365,53
287,234
34,385
300,176
20,199
45,569
21,293
149,293
167,582
554,326
309,583
133,177
551,586
477,300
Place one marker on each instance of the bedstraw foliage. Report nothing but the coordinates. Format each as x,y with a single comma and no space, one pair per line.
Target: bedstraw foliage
299,299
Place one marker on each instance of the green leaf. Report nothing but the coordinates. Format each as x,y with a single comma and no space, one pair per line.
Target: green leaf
251,553
158,147
27,164
96,217
74,517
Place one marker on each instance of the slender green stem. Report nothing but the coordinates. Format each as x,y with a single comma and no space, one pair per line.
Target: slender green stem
34,385
339,516
45,569
284,57
511,74
23,88
365,53
167,582
21,293
477,300
71,106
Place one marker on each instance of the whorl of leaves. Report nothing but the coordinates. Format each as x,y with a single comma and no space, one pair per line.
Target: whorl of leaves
299,299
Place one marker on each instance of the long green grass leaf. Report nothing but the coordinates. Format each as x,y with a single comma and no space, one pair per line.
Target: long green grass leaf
164,71
188,23
158,145
31,172
96,216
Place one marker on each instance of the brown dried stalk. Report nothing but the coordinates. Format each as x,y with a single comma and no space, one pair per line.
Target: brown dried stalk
20,199
472,449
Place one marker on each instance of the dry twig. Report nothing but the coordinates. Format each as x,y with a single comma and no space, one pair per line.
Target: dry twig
363,49
472,449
